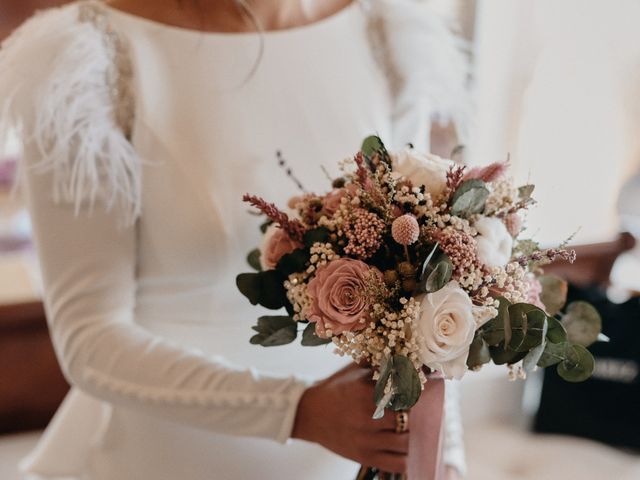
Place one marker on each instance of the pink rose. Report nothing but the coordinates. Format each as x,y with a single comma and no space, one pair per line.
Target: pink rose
337,300
275,244
331,202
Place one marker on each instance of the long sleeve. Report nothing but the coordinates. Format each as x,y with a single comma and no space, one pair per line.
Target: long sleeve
88,264
82,181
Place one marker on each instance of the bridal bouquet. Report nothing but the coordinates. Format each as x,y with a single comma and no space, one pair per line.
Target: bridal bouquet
413,264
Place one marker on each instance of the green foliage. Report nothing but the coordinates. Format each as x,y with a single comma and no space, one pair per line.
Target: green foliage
528,327
525,192
317,235
493,331
555,331
554,293
253,259
478,352
436,271
533,357
405,384
371,145
274,331
525,247
295,261
553,353
578,364
518,327
264,226
469,198
263,288
582,322
311,339
502,355
574,362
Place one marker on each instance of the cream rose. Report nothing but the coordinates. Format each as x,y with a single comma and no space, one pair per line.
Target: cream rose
275,244
445,328
422,169
494,242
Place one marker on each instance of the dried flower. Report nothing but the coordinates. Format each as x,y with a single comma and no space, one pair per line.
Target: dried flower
513,222
490,173
405,229
364,232
293,227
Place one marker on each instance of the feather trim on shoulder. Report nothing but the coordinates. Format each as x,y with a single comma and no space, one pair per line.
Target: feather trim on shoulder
427,63
65,89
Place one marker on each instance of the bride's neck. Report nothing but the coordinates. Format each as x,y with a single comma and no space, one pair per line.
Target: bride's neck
232,15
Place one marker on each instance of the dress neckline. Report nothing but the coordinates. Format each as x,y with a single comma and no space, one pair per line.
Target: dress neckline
319,25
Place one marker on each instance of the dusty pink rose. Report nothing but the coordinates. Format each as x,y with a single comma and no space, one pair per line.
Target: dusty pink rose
275,244
332,200
337,301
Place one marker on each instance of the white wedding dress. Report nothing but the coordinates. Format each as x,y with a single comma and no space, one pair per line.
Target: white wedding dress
140,237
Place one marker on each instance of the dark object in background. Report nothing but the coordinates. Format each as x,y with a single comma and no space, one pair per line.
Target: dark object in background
607,406
31,383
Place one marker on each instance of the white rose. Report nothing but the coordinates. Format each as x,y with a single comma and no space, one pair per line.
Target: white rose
445,328
422,169
494,242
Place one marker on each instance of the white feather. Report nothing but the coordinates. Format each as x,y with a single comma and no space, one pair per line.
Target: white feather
54,91
427,63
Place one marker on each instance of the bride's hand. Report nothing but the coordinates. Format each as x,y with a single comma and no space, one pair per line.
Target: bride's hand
336,413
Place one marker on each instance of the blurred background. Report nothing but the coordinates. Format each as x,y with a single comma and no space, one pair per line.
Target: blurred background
556,87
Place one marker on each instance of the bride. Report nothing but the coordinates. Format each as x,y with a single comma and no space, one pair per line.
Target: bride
143,123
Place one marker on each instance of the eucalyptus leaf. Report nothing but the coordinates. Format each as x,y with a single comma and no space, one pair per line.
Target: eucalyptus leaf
436,272
469,198
311,339
530,361
554,293
556,332
317,235
371,145
533,357
553,353
582,322
578,364
253,259
427,261
265,225
405,383
525,192
383,378
501,355
528,325
493,332
385,391
440,276
274,331
263,288
478,353
295,261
